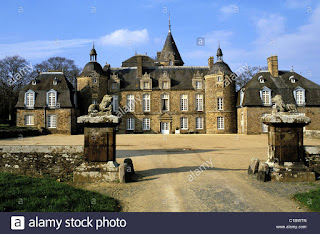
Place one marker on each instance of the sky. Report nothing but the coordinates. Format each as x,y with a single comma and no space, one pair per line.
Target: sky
248,31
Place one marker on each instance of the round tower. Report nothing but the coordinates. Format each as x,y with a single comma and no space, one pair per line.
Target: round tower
220,98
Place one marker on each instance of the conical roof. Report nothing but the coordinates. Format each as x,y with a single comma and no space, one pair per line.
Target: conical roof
169,49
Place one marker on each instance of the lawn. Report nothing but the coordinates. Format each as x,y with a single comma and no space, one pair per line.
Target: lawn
25,194
310,199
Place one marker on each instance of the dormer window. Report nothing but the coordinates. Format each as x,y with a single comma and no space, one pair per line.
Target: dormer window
261,80
265,95
241,96
34,82
299,96
55,81
94,80
114,85
219,78
52,98
198,85
146,85
292,79
29,99
165,84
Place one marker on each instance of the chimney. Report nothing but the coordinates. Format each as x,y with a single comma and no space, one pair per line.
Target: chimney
210,62
273,65
139,66
158,55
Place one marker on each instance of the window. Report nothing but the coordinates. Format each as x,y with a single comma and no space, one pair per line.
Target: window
264,126
34,82
29,120
220,104
241,96
94,102
52,121
55,81
220,123
184,102
198,85
29,99
170,63
261,80
130,124
52,99
165,84
165,102
115,103
146,102
265,95
146,85
114,85
219,78
199,102
95,80
184,123
146,124
199,123
299,95
292,79
130,103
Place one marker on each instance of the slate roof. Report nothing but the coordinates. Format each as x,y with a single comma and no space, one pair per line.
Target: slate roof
181,77
280,85
220,66
170,48
146,61
64,89
90,67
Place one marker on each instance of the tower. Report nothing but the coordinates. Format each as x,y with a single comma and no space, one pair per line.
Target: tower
170,55
220,96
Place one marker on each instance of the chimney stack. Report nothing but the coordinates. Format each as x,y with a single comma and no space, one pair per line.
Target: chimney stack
139,66
210,62
273,66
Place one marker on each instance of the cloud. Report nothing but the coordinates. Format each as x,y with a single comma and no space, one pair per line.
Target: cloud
229,10
270,26
125,38
41,48
297,3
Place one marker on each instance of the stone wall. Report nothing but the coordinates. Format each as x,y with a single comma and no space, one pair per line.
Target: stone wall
36,160
66,119
312,154
253,124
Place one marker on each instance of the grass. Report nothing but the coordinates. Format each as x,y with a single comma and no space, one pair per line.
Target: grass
310,199
25,194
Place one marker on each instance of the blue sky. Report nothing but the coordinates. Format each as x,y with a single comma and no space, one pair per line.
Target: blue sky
248,31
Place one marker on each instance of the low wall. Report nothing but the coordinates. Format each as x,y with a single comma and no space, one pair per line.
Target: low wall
313,157
38,160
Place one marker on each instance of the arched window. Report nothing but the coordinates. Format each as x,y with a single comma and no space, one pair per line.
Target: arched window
52,98
299,96
29,99
265,95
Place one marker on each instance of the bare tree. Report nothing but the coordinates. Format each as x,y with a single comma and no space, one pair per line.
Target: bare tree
14,74
68,66
247,75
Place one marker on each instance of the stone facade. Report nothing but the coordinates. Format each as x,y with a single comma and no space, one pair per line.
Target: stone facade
249,119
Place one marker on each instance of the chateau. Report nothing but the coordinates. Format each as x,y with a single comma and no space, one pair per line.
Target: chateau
163,96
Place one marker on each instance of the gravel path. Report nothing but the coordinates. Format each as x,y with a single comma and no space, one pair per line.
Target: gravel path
165,166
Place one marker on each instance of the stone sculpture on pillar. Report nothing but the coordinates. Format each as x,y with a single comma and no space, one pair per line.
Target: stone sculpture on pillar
286,156
100,145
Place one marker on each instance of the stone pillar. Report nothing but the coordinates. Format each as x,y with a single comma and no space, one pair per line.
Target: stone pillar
285,149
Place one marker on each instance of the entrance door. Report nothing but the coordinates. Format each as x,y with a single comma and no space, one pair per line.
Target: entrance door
165,127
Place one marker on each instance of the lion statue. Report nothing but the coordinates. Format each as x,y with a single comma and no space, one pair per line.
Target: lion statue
280,106
104,108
